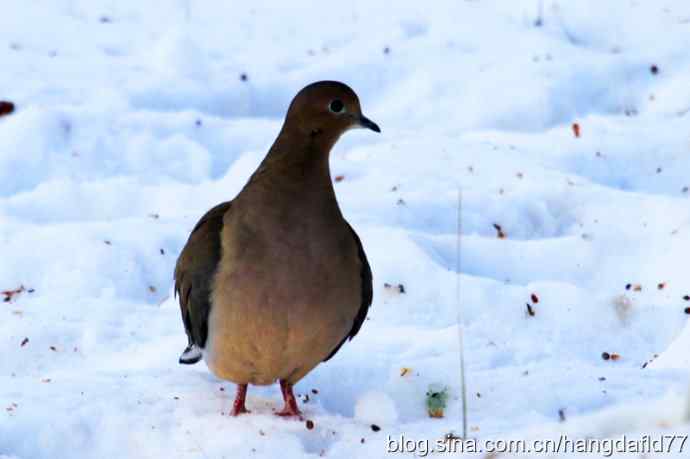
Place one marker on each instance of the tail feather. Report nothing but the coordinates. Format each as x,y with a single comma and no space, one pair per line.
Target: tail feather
191,355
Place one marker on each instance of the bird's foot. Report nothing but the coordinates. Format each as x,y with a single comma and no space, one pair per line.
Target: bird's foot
238,406
237,410
288,412
290,409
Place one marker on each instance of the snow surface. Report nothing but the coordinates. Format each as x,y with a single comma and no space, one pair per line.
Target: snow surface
133,119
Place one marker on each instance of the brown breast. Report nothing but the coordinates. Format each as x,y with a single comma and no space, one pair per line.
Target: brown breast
286,293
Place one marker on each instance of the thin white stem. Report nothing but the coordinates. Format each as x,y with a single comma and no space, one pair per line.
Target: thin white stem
461,318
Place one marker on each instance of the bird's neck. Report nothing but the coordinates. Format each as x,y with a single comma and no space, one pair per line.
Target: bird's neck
297,168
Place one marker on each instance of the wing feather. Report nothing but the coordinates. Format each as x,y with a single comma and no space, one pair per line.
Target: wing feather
367,294
194,274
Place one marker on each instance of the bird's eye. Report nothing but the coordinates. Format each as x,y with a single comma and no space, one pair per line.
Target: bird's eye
336,106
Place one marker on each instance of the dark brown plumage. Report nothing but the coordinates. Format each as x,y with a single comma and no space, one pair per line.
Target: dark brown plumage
275,281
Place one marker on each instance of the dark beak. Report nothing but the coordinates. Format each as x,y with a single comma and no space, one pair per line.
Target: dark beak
367,123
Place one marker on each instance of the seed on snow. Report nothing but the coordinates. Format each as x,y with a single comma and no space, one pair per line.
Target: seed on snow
576,130
530,310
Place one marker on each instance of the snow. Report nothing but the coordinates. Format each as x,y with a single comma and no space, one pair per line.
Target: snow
376,408
133,119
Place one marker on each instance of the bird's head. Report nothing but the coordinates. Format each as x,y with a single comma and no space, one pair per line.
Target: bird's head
327,108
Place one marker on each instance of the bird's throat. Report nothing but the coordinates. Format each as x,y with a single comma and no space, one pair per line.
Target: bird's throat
297,165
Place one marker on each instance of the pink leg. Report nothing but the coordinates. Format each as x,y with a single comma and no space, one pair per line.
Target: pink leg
290,408
238,405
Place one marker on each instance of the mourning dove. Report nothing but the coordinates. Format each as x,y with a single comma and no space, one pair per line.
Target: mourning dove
274,282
